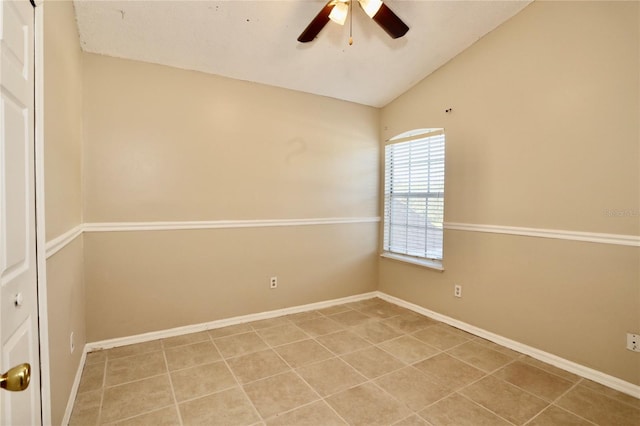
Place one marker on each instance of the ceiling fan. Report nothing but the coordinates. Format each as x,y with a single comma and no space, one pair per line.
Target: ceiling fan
337,11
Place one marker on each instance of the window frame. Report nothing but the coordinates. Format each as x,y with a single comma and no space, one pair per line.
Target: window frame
416,135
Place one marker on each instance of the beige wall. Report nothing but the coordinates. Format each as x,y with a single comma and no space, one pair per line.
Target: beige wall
66,309
544,133
166,144
63,208
163,144
148,281
62,118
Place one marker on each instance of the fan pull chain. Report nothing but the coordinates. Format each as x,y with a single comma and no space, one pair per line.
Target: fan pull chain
350,22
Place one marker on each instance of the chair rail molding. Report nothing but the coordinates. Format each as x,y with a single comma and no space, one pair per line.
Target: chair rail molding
221,224
58,243
558,234
61,241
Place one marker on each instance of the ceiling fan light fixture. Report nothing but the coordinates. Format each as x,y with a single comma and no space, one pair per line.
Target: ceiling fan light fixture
370,7
339,12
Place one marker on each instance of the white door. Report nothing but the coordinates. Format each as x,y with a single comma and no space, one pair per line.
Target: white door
18,274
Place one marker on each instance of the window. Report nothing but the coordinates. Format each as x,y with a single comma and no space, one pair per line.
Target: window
414,195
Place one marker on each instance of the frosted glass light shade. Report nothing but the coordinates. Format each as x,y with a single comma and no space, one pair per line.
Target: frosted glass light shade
339,12
370,7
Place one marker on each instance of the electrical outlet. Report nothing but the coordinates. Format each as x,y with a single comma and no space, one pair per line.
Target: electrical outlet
457,290
633,342
273,283
72,344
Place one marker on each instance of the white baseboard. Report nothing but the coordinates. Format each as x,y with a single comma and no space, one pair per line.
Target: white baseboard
572,367
556,361
74,388
145,337
154,335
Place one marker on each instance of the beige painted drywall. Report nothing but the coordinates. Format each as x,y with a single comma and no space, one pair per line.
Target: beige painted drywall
163,144
148,281
168,144
66,313
544,127
62,118
544,133
63,208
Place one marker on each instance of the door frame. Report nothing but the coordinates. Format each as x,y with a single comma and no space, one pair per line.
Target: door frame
43,317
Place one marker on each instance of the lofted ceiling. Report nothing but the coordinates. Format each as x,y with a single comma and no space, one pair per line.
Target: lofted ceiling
256,41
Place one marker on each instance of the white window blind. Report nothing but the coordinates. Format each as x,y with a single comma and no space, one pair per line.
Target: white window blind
414,194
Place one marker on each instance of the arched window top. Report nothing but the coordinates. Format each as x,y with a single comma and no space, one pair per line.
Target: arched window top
417,133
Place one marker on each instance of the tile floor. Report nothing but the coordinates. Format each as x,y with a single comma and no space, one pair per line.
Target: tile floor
361,363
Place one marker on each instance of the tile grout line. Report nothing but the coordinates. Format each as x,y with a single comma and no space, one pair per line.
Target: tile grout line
102,389
135,381
322,398
240,386
599,392
195,398
404,364
525,359
486,408
135,416
293,369
488,373
522,358
414,413
439,400
105,387
553,403
173,392
529,392
473,382
307,336
366,381
409,364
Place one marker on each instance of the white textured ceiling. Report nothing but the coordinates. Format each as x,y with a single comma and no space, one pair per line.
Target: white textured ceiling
256,41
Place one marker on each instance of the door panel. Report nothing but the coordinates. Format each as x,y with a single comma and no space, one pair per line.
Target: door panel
19,346
18,274
16,257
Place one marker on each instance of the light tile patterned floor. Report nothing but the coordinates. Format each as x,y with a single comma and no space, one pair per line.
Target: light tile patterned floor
362,363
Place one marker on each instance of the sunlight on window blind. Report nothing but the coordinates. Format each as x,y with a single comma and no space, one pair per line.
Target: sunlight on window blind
414,195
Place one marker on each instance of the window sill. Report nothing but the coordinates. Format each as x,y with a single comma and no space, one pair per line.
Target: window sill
426,263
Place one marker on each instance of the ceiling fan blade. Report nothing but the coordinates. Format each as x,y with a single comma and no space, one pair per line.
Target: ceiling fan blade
390,22
317,24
